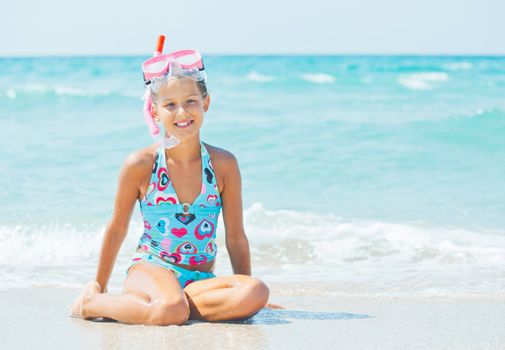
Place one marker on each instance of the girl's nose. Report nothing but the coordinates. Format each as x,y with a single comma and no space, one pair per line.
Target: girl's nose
181,110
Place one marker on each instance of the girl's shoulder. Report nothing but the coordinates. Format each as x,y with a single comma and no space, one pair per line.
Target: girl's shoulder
141,161
221,158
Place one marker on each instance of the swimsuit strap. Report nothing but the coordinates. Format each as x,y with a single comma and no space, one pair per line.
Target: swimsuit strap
160,170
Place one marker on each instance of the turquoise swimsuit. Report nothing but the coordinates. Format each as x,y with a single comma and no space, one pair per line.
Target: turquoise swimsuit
179,233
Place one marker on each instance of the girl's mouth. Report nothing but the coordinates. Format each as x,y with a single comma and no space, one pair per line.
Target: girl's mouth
184,124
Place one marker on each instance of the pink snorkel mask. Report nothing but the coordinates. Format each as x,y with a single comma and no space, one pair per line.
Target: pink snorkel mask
157,70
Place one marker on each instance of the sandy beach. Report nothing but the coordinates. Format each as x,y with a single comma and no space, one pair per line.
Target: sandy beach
38,318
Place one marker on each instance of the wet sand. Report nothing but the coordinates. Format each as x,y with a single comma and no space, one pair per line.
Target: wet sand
38,318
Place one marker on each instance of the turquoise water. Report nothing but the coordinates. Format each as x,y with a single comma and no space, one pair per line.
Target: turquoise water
398,147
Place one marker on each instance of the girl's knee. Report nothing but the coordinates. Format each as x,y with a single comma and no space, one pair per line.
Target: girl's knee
256,294
260,289
169,311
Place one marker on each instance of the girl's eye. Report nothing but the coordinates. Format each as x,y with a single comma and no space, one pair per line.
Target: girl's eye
190,101
170,105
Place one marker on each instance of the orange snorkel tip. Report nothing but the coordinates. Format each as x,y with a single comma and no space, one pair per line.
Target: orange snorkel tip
159,45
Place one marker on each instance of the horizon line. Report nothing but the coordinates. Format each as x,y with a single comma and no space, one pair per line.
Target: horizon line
278,54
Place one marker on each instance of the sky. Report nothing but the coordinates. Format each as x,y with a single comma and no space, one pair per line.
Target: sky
101,27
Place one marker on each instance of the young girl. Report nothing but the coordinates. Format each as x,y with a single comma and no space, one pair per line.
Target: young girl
181,185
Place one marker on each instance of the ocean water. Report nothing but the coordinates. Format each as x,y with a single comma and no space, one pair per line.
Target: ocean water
371,174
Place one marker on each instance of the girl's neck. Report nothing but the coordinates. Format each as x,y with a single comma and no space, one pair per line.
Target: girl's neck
186,152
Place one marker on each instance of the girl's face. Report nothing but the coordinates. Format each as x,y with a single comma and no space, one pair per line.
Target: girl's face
180,107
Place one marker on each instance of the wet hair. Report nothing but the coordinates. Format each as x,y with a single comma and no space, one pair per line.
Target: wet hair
156,85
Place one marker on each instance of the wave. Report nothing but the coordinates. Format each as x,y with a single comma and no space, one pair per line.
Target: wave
375,257
455,66
480,129
331,239
289,246
255,76
53,244
487,114
62,91
422,81
319,78
289,235
11,93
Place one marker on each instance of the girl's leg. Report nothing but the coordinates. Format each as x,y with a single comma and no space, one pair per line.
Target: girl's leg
226,297
151,295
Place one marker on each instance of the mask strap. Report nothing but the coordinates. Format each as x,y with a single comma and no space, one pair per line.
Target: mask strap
167,141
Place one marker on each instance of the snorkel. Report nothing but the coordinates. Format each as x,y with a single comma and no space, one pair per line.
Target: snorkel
168,141
183,63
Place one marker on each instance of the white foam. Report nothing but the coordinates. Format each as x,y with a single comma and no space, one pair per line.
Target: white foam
72,91
255,76
455,66
337,240
326,237
319,78
290,246
422,81
396,258
59,90
50,245
11,93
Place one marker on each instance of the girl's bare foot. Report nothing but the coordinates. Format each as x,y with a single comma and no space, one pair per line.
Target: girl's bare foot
77,309
275,306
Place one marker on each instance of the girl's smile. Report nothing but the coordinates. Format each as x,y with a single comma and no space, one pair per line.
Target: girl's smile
184,124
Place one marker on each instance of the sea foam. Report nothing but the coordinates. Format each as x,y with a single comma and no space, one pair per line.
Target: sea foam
455,66
262,78
287,246
319,78
325,237
422,81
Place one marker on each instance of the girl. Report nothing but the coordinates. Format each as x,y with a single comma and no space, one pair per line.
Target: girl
181,185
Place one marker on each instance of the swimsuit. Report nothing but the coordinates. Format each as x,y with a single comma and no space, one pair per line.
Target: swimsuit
179,233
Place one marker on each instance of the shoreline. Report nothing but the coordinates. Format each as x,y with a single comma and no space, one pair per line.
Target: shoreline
38,317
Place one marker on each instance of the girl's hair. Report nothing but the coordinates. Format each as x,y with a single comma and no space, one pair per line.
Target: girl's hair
156,85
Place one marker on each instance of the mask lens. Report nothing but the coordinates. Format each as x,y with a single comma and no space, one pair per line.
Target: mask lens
188,59
156,67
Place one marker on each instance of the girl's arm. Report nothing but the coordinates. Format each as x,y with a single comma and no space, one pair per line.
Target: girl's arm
127,193
231,198
236,240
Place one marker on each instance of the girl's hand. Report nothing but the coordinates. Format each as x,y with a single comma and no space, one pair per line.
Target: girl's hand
77,308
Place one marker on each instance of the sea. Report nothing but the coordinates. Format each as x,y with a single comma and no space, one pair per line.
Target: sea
361,175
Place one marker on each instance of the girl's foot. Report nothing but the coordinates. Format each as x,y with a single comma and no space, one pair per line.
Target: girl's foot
90,289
